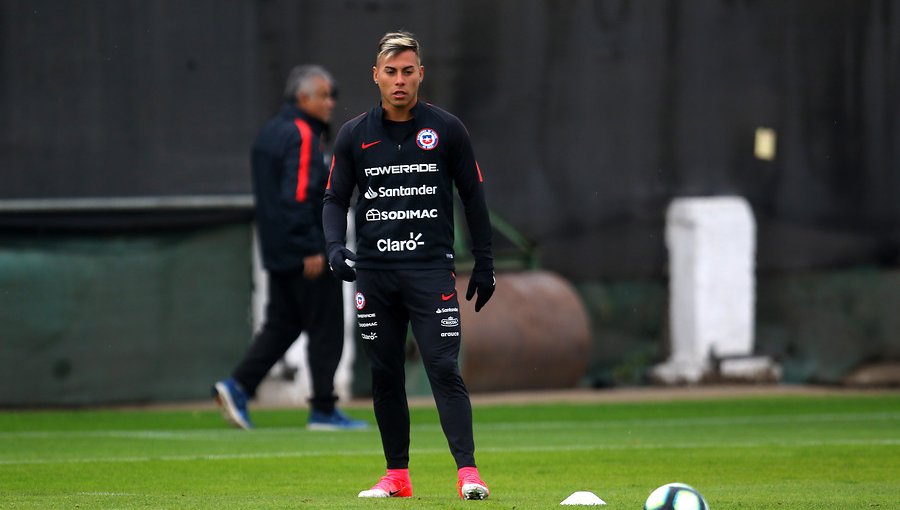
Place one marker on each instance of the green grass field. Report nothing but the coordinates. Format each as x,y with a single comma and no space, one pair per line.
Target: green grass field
784,452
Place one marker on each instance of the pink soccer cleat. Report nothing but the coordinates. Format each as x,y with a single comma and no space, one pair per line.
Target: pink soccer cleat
395,484
470,484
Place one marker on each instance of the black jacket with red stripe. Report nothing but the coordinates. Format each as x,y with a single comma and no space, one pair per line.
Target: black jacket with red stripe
289,175
404,210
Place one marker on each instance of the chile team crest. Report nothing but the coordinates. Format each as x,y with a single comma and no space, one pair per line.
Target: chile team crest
427,139
360,301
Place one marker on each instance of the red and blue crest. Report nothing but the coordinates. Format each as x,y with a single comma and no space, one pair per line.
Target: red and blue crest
427,139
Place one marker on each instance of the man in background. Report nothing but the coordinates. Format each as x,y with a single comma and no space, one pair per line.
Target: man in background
289,175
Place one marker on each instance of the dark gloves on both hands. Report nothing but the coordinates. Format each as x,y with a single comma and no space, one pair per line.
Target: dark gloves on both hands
483,282
337,260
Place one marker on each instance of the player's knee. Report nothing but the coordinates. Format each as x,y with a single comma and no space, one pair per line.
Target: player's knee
387,379
443,370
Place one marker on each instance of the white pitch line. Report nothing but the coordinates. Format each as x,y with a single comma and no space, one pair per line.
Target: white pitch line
429,451
694,421
167,435
106,494
218,434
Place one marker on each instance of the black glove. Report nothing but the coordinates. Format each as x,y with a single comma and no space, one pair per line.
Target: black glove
484,282
337,260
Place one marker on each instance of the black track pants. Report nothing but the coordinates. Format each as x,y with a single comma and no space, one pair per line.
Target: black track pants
386,302
297,304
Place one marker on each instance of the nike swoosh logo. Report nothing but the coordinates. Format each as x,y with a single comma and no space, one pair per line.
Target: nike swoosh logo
367,145
392,493
445,297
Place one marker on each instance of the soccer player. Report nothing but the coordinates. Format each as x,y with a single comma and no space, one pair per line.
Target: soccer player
404,158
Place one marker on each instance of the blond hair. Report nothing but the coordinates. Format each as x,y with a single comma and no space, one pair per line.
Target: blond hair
397,42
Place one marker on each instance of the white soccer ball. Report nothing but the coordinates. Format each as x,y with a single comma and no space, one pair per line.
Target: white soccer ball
675,496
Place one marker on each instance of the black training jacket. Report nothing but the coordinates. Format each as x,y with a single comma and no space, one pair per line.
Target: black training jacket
404,210
289,175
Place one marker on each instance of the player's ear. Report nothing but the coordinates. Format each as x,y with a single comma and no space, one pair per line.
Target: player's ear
375,73
421,73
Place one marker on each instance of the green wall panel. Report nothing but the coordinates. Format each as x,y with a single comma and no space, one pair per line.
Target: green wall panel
134,317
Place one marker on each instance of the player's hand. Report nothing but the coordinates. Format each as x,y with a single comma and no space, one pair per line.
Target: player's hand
337,259
313,265
483,282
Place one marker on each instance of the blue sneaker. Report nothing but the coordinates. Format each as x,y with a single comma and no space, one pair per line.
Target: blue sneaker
334,421
233,402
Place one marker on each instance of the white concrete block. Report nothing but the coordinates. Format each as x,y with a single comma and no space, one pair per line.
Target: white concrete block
712,248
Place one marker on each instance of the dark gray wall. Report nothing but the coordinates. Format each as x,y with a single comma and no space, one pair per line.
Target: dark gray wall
110,98
587,116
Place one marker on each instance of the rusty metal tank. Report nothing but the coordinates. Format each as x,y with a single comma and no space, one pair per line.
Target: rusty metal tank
534,333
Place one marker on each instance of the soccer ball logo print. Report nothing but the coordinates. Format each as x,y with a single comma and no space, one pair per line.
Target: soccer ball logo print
427,139
675,496
360,301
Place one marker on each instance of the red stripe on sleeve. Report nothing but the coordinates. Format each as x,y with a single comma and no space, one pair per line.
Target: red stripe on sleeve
480,178
305,156
330,170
